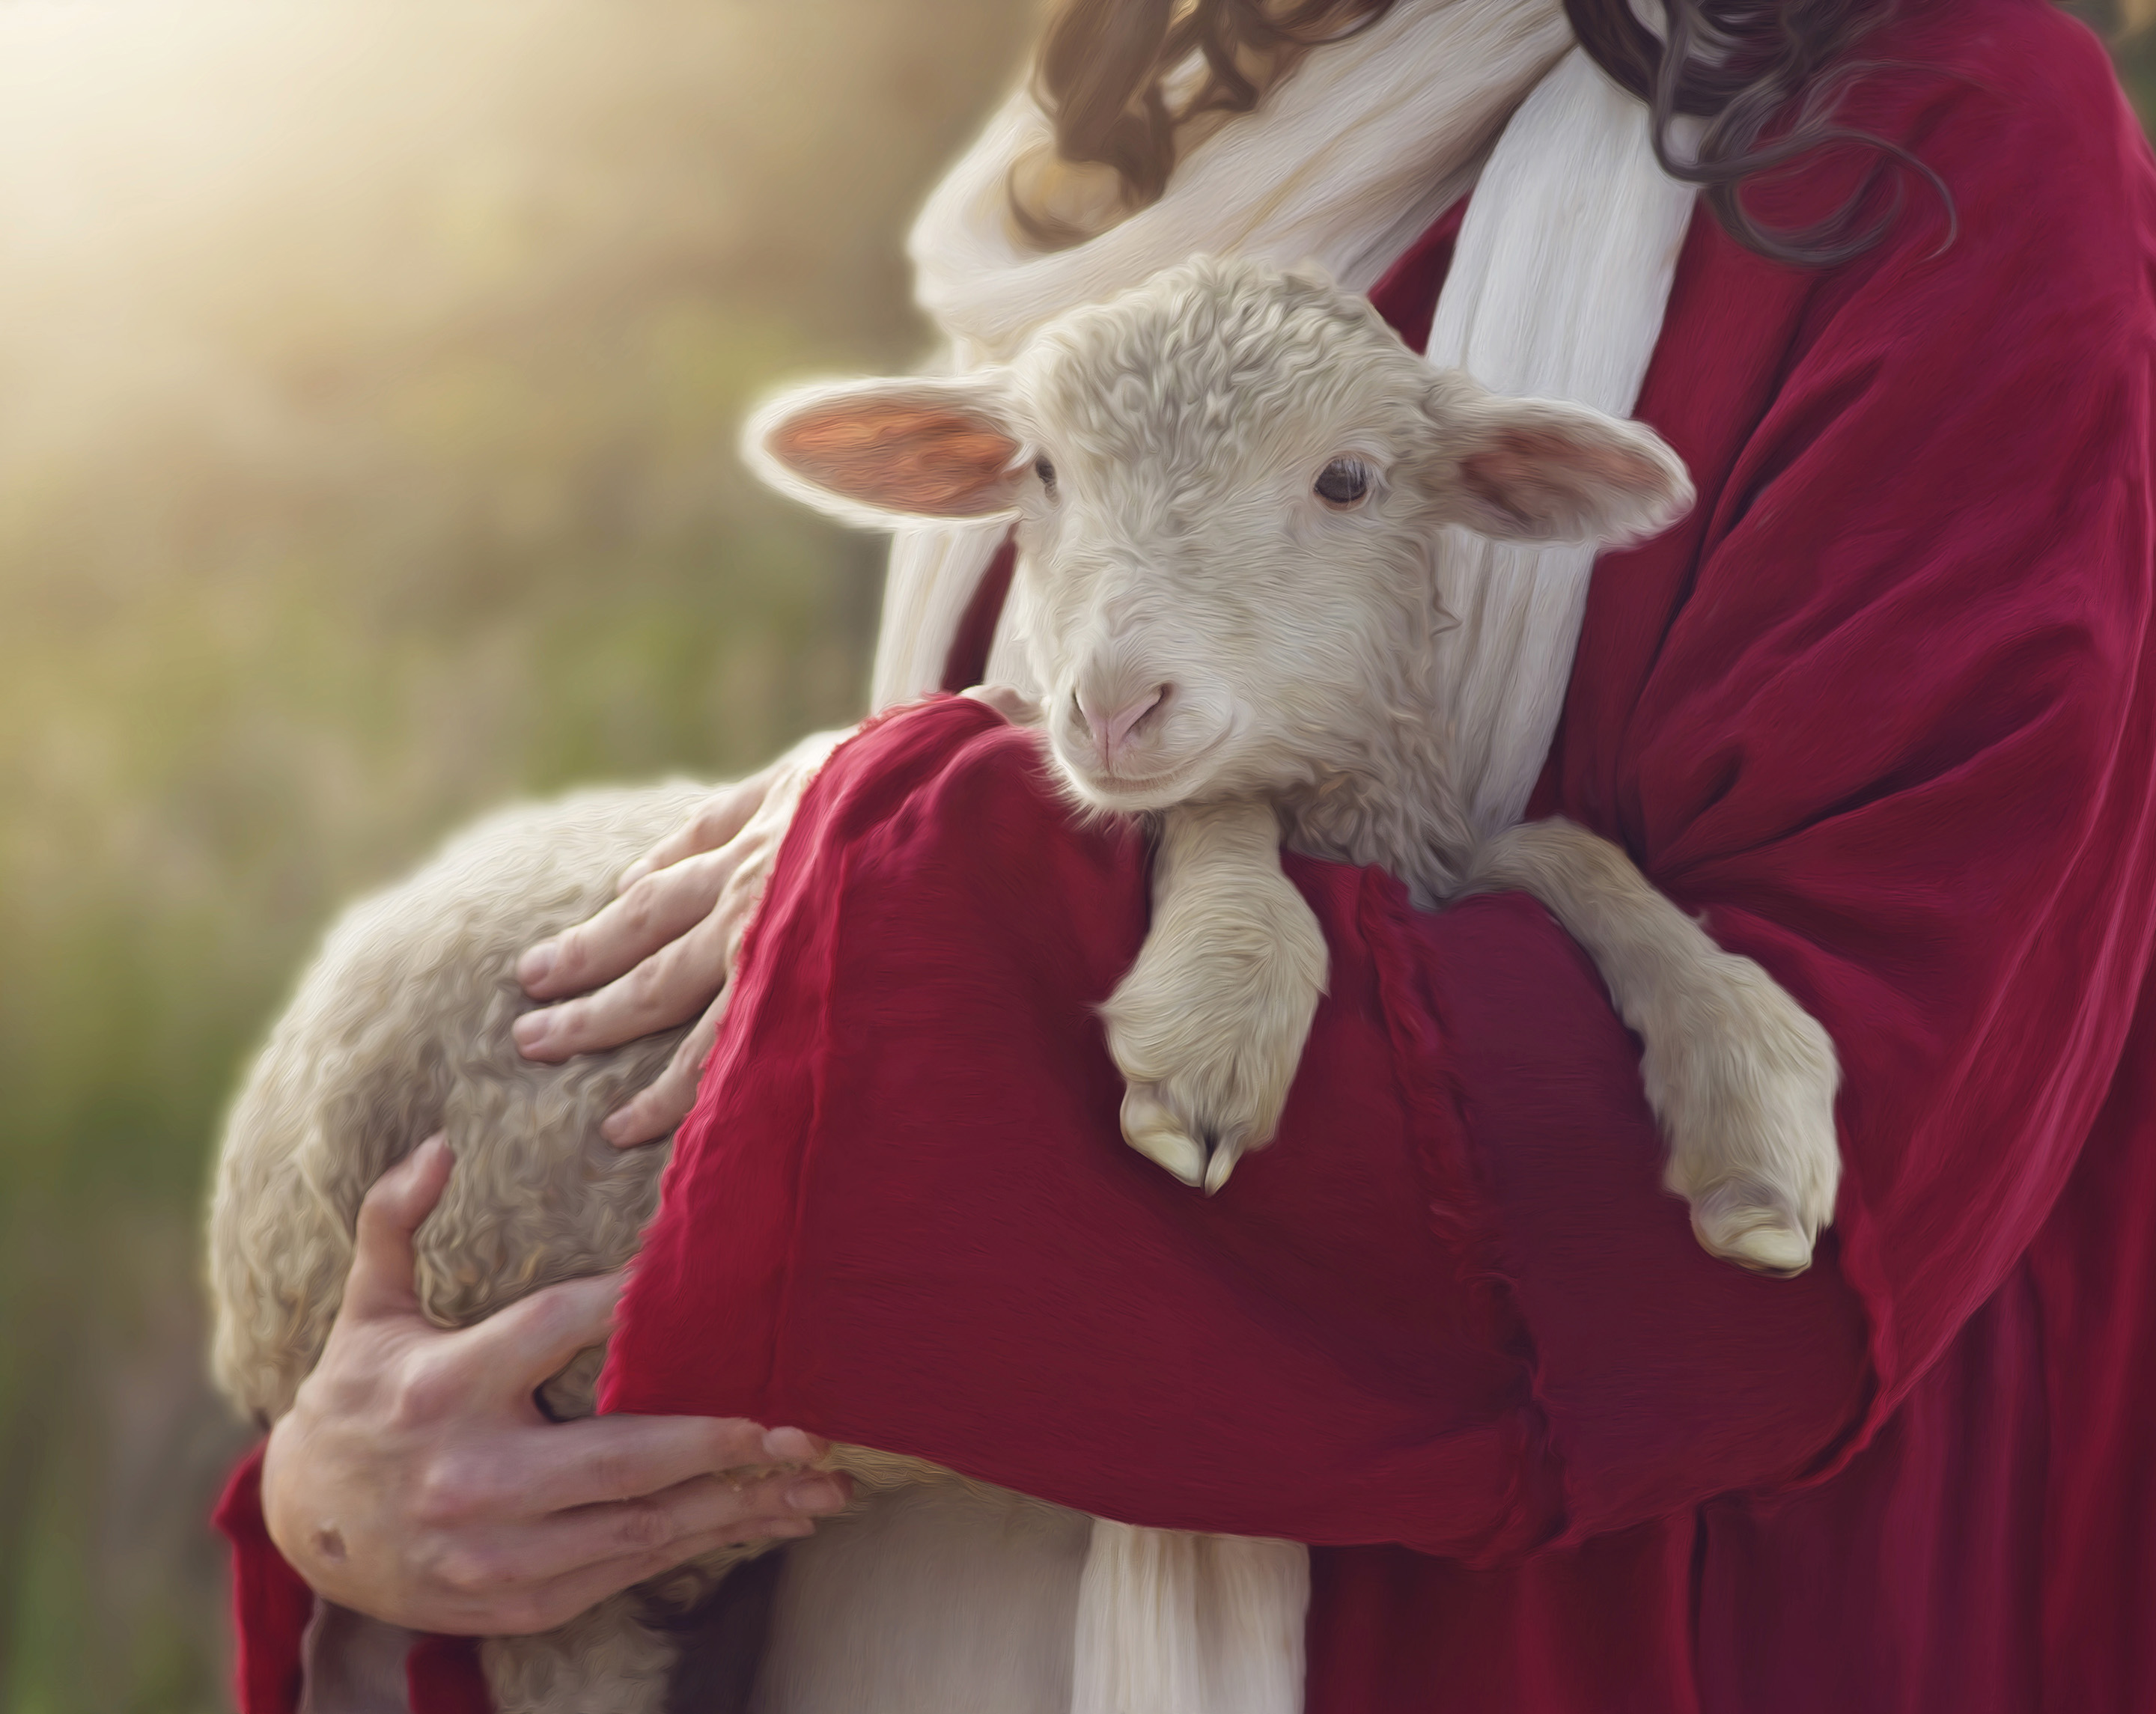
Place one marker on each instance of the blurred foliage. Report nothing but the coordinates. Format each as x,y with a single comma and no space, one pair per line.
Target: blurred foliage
369,373
369,376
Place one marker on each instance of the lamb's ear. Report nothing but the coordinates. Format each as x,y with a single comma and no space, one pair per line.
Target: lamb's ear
1540,470
880,453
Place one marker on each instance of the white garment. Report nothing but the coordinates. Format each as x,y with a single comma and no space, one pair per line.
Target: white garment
1556,288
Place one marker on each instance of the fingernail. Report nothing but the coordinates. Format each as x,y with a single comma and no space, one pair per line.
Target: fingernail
816,1494
793,1446
535,964
422,1160
531,1029
614,1127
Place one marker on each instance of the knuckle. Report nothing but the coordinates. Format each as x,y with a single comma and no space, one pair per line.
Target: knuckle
420,1395
612,1473
711,820
643,1524
379,1207
471,1572
639,906
640,986
551,1318
444,1496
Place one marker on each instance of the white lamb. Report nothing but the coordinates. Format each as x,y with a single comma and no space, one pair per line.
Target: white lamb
1229,488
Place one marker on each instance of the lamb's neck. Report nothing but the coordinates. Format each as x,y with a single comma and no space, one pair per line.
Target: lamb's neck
1393,805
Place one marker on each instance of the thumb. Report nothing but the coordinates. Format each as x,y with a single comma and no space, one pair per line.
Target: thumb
380,1283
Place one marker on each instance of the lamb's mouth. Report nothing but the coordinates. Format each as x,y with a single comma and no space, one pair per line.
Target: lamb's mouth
1153,791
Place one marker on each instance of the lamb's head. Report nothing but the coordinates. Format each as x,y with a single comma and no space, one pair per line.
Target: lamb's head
1227,484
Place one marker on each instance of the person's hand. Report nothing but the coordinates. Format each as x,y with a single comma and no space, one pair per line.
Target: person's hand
415,1478
664,950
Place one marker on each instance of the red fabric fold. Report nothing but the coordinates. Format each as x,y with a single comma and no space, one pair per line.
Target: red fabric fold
271,1605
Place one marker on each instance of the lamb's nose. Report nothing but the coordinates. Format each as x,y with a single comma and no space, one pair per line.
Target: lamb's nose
1112,732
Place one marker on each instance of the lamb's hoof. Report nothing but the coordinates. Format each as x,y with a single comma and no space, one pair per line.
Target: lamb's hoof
1224,1157
1746,1223
1158,1135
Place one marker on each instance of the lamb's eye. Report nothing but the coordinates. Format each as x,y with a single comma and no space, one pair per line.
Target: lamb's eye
1343,481
1046,472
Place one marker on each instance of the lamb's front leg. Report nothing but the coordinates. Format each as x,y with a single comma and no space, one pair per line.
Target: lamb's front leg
1208,1027
1740,1077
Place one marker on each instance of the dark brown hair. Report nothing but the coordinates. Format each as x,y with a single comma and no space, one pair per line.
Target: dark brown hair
1766,76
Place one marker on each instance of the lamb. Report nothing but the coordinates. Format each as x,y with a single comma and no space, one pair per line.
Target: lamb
1180,464
1229,487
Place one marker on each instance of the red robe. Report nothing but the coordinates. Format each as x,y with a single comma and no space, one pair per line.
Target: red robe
1884,711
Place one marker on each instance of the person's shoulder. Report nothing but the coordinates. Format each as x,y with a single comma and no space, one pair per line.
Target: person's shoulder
2015,106
2016,87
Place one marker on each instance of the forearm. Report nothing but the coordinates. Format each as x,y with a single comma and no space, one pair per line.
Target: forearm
902,1214
1665,1376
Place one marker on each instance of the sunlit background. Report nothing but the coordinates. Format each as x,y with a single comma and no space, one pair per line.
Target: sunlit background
369,380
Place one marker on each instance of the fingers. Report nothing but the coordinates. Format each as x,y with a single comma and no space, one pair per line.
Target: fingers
581,1556
512,1350
702,1507
655,1110
380,1283
600,1460
668,988
713,823
648,915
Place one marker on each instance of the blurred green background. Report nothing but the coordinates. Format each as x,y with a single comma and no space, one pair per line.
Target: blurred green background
368,381
369,376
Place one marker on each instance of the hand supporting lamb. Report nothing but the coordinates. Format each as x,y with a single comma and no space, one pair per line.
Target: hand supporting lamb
665,948
414,1479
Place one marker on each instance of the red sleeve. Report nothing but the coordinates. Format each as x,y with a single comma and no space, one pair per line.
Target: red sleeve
271,1603
1888,720
1884,714
1882,711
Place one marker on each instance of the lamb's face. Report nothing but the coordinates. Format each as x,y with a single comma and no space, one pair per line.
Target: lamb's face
1225,524
1228,486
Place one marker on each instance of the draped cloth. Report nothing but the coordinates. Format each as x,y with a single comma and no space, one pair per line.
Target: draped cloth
1882,712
